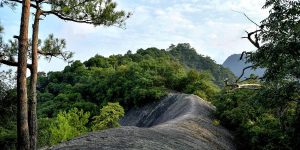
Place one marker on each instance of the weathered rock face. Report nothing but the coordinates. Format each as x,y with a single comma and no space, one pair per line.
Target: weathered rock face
179,121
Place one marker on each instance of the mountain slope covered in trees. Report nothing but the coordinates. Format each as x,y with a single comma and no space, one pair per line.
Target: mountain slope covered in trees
132,80
188,56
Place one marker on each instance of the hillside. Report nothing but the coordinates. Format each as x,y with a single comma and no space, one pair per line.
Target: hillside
234,64
186,55
191,59
179,121
131,80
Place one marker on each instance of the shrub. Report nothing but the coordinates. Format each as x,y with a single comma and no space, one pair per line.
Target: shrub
68,125
109,117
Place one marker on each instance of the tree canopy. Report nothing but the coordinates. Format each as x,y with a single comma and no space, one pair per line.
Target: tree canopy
269,117
279,48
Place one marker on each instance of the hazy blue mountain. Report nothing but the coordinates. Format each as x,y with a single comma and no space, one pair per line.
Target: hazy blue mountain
236,65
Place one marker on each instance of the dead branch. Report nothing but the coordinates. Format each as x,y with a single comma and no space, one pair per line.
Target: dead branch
254,41
243,72
247,18
245,53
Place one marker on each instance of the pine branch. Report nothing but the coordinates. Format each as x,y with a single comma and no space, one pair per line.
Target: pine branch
12,63
51,54
57,14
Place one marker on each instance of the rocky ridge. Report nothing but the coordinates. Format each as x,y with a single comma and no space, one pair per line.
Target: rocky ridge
179,121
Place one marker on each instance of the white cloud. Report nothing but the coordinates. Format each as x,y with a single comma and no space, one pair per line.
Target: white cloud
210,26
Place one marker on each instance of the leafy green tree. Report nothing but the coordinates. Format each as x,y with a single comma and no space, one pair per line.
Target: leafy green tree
278,42
109,117
68,125
269,117
200,84
256,121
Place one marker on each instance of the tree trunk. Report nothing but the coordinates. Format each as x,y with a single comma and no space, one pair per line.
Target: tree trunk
22,112
33,81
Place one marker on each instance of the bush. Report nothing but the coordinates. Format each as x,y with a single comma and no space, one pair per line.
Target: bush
8,138
44,133
109,117
68,125
257,121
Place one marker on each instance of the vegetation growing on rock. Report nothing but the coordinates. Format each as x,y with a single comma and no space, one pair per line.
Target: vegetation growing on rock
108,118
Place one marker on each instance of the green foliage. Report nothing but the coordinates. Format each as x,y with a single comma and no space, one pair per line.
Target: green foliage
216,122
132,80
44,133
280,34
200,84
189,57
257,120
8,137
8,109
272,119
50,47
8,50
109,117
54,47
96,12
68,125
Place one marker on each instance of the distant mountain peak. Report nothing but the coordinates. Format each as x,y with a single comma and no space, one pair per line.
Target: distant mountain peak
234,64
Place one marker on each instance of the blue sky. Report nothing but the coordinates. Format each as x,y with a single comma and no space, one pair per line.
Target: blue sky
212,27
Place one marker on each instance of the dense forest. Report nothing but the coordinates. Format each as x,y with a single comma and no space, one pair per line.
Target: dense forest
93,95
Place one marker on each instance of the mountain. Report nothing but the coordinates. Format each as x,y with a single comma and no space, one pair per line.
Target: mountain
191,59
133,80
234,64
